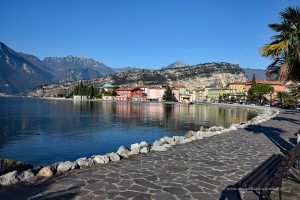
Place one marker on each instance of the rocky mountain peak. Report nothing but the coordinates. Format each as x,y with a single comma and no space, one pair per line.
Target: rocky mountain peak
176,64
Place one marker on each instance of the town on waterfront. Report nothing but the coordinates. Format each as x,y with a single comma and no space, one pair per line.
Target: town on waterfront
258,92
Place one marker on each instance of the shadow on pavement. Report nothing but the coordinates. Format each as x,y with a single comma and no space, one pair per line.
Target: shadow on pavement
34,191
273,134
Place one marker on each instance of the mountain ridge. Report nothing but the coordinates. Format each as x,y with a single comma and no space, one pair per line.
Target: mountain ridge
73,68
18,74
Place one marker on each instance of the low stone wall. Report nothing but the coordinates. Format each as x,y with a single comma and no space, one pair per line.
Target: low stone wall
163,144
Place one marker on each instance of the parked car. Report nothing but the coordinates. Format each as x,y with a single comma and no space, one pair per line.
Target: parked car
298,107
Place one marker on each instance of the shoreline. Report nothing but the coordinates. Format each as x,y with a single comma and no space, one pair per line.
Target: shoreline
162,144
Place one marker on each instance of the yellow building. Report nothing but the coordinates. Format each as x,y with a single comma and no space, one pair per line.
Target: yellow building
237,88
198,95
213,94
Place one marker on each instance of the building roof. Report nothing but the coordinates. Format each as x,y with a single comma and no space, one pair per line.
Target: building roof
128,89
259,81
238,83
177,86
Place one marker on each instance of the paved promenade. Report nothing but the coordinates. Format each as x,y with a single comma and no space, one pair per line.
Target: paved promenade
198,170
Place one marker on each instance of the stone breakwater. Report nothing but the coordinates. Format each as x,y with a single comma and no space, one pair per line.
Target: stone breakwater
163,144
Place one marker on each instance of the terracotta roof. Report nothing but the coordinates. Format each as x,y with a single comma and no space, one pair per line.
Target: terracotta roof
259,81
177,86
238,83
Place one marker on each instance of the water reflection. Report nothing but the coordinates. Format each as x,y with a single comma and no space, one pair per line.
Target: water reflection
41,131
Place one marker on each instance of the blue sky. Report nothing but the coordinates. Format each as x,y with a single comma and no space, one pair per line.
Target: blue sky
143,33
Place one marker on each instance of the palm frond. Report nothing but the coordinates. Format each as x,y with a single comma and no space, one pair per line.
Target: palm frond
290,14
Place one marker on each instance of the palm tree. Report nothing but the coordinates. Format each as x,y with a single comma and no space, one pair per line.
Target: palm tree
284,49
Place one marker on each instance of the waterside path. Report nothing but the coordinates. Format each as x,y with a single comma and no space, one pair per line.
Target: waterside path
200,169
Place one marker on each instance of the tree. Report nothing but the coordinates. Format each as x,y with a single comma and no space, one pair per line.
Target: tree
258,92
91,92
114,92
284,48
168,94
253,81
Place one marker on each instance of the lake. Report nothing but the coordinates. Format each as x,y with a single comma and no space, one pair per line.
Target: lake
45,131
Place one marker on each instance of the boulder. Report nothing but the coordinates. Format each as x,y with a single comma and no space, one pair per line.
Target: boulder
145,149
189,134
85,162
25,175
143,144
9,178
123,151
101,159
8,165
157,143
45,172
158,148
135,149
114,157
66,166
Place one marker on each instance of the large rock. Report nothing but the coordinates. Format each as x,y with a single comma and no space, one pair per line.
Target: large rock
66,166
8,165
157,143
135,149
123,151
45,172
114,157
85,162
101,159
145,149
25,175
15,176
9,178
143,144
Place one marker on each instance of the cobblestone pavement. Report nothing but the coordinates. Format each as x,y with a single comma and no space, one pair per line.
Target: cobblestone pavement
198,170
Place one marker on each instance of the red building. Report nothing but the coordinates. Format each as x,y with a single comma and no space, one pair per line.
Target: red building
278,87
129,94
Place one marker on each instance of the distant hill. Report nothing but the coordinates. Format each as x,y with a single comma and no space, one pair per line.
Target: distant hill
201,75
259,73
17,74
176,64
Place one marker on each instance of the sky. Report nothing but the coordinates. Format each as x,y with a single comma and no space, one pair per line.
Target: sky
143,33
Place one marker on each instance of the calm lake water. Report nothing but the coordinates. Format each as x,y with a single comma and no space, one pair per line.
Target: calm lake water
43,131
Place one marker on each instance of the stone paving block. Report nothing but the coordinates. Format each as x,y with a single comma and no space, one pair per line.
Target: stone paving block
205,185
82,193
175,190
138,188
110,187
129,194
113,194
143,196
95,186
86,197
164,196
125,183
199,195
193,188
144,182
209,180
91,181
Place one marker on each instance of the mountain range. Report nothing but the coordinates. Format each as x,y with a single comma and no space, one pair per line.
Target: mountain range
20,72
